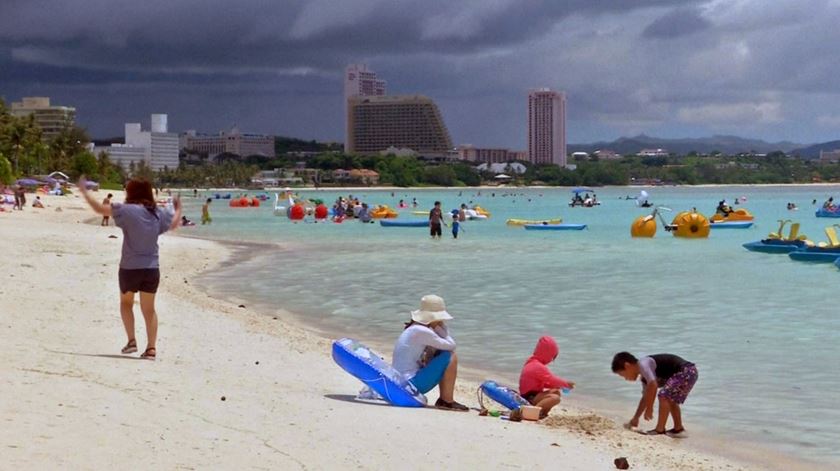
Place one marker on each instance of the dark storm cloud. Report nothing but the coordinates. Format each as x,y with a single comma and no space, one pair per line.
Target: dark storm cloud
680,22
277,66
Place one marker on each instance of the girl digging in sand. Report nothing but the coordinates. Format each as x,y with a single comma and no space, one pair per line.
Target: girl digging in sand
674,375
536,382
141,222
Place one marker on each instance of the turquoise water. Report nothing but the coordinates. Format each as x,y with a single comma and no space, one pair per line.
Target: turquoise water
762,329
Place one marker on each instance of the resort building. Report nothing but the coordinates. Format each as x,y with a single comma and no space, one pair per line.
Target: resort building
359,81
51,119
470,153
157,148
232,142
653,153
606,154
830,156
547,127
411,122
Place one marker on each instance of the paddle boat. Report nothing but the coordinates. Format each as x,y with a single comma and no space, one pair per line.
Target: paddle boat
645,226
404,223
689,225
832,212
824,252
731,224
738,215
522,222
776,242
554,227
586,201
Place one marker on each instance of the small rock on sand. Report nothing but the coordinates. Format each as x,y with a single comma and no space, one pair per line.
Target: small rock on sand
621,463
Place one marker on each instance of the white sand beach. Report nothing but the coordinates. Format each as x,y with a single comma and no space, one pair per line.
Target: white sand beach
233,388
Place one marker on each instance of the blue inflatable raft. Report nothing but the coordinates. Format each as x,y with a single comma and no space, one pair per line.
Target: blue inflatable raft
774,245
409,223
502,394
555,227
371,369
731,225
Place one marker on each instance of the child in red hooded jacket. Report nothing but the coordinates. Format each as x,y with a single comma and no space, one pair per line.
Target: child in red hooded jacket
536,383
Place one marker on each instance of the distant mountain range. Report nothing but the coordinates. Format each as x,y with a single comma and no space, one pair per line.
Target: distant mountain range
703,145
813,152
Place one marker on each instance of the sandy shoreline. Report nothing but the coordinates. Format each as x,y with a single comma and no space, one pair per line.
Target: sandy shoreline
70,399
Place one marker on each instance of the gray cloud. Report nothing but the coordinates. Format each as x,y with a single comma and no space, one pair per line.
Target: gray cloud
659,66
675,23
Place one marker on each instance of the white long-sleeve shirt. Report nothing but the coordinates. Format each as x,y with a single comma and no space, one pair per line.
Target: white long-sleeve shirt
413,341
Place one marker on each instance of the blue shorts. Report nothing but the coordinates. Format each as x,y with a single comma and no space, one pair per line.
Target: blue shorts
430,375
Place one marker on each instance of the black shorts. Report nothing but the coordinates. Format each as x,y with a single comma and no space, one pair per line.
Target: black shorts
141,279
435,229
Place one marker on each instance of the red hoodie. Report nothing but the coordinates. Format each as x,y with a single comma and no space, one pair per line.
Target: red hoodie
535,375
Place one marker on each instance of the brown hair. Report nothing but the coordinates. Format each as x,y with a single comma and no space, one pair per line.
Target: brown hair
140,192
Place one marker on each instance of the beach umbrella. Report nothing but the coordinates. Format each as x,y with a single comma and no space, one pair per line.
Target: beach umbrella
89,185
28,182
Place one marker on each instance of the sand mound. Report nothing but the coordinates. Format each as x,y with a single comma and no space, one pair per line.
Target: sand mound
588,423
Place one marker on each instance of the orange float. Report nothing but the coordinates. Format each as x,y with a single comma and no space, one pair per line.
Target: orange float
321,212
643,226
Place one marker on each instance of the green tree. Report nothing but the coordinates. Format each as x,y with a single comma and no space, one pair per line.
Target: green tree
84,163
6,176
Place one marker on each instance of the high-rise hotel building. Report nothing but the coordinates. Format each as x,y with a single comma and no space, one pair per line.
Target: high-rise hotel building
52,119
413,122
547,127
359,81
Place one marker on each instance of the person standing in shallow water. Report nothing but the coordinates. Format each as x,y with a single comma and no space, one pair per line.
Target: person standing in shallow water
142,222
205,212
435,221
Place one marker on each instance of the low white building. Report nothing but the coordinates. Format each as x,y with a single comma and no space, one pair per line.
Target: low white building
157,148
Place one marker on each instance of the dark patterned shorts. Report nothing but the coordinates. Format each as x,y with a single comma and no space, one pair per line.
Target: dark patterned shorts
678,386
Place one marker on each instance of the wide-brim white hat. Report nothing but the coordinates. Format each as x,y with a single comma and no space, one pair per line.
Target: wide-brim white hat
432,309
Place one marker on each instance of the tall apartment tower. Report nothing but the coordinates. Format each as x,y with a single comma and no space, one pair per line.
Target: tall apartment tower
547,127
359,81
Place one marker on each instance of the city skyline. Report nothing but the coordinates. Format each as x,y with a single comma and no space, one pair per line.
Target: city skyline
667,68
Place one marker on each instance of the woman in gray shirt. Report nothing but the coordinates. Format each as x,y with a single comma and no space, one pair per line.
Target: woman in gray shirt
141,222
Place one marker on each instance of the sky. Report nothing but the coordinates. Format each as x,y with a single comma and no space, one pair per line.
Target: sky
764,69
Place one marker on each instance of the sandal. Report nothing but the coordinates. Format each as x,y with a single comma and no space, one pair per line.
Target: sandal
149,354
441,404
130,347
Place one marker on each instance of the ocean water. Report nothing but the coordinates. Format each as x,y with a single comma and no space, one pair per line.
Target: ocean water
762,329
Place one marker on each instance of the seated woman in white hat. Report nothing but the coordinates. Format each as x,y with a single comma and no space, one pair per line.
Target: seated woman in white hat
425,352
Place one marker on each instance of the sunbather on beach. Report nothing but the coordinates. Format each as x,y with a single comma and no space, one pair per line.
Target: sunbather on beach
537,383
425,352
141,221
671,375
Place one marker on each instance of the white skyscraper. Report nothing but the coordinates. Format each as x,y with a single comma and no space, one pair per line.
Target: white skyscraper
547,127
359,81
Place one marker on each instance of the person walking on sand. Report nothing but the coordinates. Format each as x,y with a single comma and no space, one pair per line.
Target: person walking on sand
106,202
205,212
425,352
671,375
142,222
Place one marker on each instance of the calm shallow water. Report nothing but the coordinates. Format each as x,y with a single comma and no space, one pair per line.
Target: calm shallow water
762,329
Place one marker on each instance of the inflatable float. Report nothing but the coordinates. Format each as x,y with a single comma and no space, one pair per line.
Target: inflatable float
828,213
383,212
244,202
690,225
522,222
222,197
364,364
502,394
554,227
731,224
410,223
